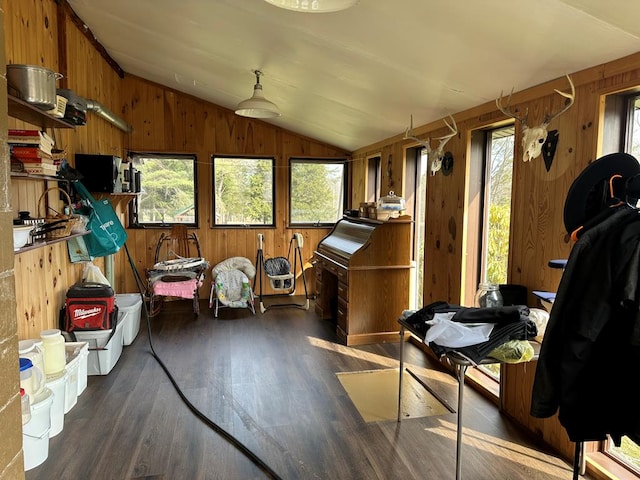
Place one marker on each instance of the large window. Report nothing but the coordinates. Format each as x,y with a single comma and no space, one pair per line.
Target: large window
633,127
491,199
168,192
318,193
374,178
622,133
243,191
415,188
497,205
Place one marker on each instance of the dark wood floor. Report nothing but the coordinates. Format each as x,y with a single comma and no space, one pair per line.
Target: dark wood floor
270,381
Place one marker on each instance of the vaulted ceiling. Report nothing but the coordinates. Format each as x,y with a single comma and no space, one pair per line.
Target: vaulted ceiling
354,77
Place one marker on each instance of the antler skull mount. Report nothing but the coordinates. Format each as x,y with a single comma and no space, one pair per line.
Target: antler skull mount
533,138
436,155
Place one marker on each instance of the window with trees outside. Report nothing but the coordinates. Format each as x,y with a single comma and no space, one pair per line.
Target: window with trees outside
243,191
627,115
496,212
317,191
168,192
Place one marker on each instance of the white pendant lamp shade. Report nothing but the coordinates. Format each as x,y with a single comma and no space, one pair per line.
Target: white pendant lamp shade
257,106
314,6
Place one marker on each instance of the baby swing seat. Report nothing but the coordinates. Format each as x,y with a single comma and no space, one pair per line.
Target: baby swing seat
231,285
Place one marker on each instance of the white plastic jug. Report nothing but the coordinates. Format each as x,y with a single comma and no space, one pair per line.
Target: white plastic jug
55,358
31,380
32,349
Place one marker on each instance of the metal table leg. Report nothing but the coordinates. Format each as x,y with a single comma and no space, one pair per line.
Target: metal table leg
401,371
460,372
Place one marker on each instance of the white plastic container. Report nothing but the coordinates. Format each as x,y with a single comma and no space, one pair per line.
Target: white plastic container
35,433
71,387
129,308
53,344
31,379
32,349
25,404
101,362
78,352
57,384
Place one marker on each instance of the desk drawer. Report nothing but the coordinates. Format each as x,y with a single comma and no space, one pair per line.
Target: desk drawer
343,275
343,291
330,267
343,315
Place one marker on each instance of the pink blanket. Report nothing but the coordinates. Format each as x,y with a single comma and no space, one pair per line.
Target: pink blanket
183,289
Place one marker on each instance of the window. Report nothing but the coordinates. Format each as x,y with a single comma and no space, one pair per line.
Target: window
416,197
168,192
497,206
317,191
491,203
633,127
243,191
622,133
374,178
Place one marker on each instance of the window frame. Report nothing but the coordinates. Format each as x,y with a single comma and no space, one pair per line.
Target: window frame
486,377
617,137
134,221
374,178
272,159
345,190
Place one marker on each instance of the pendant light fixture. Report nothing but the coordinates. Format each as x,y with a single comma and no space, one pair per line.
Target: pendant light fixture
314,6
257,106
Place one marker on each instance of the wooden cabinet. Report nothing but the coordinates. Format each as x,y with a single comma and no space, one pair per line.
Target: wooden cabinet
363,271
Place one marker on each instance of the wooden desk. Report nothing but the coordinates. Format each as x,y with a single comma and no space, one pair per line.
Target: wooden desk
363,272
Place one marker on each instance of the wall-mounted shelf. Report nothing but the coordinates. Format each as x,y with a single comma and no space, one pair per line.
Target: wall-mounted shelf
44,243
28,113
116,198
35,176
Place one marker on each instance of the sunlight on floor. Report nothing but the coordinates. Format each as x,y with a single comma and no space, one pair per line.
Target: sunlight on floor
494,446
382,360
374,393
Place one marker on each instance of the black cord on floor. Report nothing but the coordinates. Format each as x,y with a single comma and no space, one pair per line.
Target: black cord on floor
206,420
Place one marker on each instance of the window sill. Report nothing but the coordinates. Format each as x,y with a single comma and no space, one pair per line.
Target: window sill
601,467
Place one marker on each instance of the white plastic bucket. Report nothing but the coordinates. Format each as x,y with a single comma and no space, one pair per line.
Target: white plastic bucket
57,384
35,433
130,308
71,387
77,352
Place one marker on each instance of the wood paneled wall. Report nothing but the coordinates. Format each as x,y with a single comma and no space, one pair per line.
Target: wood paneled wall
165,120
41,32
537,229
33,36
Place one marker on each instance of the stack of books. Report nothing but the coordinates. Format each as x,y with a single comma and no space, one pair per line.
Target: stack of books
33,148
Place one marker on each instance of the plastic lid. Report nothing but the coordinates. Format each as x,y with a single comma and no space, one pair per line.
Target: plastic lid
54,332
25,346
25,363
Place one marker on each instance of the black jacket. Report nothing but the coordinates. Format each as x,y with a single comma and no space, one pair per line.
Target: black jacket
590,351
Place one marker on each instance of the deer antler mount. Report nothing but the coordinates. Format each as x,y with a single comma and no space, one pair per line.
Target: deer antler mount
534,138
436,155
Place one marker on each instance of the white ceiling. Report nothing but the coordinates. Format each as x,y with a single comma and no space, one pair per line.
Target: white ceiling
354,77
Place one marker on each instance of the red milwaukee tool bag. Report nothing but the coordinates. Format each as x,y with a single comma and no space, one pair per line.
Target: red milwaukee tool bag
89,306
